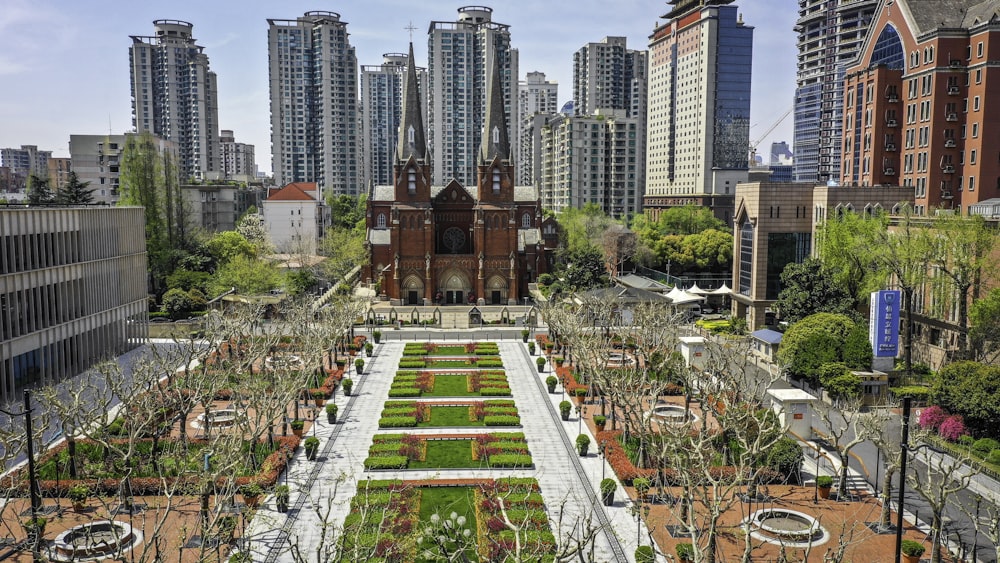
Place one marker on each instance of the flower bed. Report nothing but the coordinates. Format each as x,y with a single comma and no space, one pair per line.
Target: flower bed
418,362
490,383
410,451
572,386
383,515
521,500
495,412
431,349
271,466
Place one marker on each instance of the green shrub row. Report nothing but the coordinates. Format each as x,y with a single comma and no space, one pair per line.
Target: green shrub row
507,435
397,421
509,460
494,391
489,363
388,437
387,462
412,363
398,411
500,420
405,392
381,448
499,403
500,411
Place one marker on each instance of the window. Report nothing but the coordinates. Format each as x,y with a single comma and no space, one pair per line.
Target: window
972,183
979,76
380,221
975,103
411,186
979,50
972,158
526,220
496,181
975,130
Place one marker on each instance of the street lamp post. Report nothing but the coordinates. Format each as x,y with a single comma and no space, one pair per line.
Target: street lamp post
903,446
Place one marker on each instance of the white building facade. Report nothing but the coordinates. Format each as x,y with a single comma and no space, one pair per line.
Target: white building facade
175,96
537,99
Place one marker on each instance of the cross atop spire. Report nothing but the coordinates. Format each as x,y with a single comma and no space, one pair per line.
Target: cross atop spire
411,29
411,127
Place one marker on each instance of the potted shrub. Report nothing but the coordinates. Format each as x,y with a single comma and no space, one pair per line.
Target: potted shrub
281,496
331,412
377,336
582,444
608,491
252,494
823,485
34,528
319,396
297,427
560,361
564,408
369,348
685,552
78,496
347,384
600,422
312,447
641,485
551,382
645,554
540,362
359,364
531,348
911,551
524,335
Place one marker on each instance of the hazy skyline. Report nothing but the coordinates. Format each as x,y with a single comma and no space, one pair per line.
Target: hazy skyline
64,63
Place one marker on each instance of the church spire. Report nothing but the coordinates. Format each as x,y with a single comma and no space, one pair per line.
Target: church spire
495,142
411,128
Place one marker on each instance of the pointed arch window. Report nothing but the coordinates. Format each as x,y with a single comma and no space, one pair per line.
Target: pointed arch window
411,185
496,181
526,220
380,221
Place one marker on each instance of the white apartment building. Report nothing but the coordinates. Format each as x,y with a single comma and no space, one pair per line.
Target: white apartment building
698,117
238,161
831,33
72,291
294,218
459,56
98,159
313,73
609,76
537,99
381,111
175,97
592,159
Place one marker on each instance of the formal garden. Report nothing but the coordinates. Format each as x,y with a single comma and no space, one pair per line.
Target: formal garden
480,383
403,521
493,412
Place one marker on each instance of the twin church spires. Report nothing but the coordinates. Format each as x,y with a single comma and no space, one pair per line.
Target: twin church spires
412,140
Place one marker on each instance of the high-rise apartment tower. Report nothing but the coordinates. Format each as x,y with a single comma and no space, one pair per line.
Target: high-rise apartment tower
381,111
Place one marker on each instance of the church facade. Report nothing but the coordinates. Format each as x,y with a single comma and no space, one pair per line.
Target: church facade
455,244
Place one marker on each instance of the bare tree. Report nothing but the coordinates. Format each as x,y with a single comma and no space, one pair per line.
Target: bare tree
845,427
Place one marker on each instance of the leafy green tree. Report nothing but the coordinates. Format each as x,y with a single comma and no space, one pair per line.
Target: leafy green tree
249,277
227,245
809,288
251,226
785,457
75,192
187,280
584,268
582,228
972,390
839,381
688,220
39,192
177,303
710,249
823,338
347,211
844,247
961,250
984,326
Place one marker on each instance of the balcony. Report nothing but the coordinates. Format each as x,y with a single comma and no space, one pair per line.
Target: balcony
955,63
890,148
949,143
891,123
953,90
948,169
892,98
951,117
946,194
889,171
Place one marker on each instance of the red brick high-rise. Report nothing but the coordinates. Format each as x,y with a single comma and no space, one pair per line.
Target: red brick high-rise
454,243
921,104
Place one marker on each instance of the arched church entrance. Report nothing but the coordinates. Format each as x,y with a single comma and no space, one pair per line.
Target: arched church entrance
496,290
456,287
413,290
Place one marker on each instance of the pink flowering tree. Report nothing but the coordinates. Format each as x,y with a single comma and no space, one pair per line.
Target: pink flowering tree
932,417
952,428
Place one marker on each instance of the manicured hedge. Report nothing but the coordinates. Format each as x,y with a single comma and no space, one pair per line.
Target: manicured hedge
489,363
510,460
405,392
387,462
501,420
397,421
412,363
494,391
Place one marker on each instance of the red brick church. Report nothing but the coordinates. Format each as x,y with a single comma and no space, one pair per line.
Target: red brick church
455,244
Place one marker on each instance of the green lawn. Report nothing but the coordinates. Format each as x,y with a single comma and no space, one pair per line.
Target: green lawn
450,386
446,454
444,501
451,416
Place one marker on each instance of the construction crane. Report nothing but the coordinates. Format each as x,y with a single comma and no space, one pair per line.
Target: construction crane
753,144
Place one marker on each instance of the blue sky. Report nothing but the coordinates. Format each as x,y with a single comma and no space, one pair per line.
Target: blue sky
64,63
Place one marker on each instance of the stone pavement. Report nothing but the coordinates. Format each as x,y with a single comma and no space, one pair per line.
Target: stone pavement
322,490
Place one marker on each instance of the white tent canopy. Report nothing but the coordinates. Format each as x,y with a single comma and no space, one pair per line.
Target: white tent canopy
724,290
684,297
695,290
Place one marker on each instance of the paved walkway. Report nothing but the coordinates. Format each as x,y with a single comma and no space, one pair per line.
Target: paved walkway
322,490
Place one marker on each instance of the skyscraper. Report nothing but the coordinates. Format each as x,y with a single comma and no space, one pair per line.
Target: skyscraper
381,111
609,76
238,161
830,34
175,96
459,56
699,107
313,73
537,98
